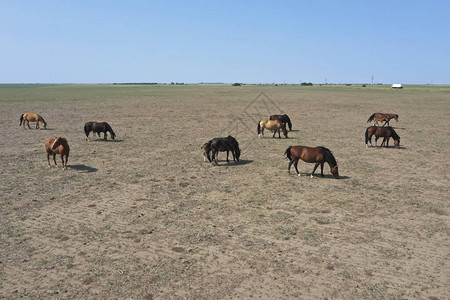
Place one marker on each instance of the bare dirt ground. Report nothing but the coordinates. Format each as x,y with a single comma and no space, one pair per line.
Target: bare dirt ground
145,218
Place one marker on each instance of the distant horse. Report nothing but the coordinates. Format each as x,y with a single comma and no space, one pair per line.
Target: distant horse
380,117
385,132
58,145
32,118
273,125
283,118
97,127
228,144
318,155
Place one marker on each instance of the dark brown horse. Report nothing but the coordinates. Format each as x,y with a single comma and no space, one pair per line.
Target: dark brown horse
283,118
228,144
58,145
380,117
318,155
385,132
97,127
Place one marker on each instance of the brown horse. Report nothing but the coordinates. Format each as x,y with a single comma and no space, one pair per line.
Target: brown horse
58,145
385,132
318,155
273,125
380,117
32,118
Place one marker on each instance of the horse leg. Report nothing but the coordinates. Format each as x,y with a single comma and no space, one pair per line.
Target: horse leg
296,169
227,156
54,158
274,132
376,139
104,135
315,167
279,136
28,123
384,142
289,167
321,169
67,158
48,159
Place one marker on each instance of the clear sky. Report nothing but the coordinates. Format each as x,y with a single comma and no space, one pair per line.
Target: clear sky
77,41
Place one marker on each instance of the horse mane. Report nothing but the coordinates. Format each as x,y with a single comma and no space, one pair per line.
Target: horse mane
108,127
330,155
395,136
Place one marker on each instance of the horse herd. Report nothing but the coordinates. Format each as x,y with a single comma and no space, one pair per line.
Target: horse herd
276,123
60,145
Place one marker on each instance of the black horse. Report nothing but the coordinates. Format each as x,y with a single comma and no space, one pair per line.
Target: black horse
228,144
283,118
97,127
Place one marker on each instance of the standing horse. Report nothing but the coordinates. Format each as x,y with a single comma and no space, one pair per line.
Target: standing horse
385,132
273,125
318,155
380,117
283,118
97,127
228,144
32,118
58,145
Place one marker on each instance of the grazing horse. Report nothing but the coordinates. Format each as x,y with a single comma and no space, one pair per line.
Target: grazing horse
318,155
228,144
32,118
273,125
97,127
283,118
380,117
58,145
385,132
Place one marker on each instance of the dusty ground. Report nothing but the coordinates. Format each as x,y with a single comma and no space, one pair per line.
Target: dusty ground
145,217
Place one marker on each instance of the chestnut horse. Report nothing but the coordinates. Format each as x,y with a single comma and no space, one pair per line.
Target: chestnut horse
380,117
32,118
283,118
58,145
385,132
273,125
318,155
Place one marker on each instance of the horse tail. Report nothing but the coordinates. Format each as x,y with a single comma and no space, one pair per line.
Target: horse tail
87,129
21,119
259,127
367,135
288,153
371,118
208,151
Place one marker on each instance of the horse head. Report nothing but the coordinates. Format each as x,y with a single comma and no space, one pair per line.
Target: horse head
57,142
335,172
283,127
397,143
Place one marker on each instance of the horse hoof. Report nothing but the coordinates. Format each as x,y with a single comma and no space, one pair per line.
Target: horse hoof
298,175
312,176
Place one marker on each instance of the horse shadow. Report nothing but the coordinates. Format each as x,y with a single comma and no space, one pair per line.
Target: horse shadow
83,168
106,141
236,163
325,176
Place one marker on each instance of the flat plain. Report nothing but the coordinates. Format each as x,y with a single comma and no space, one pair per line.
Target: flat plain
145,217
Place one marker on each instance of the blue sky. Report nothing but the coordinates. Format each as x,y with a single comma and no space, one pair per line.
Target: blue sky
224,41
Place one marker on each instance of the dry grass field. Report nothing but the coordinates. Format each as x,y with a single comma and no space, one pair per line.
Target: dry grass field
145,218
